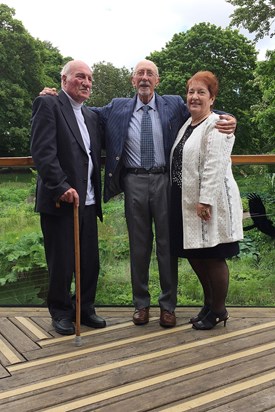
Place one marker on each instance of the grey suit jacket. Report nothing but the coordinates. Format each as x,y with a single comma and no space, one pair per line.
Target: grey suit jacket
59,153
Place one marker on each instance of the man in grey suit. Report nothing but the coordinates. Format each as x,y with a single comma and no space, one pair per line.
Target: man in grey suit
146,191
66,149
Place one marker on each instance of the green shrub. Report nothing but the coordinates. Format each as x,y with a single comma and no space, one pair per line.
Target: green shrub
23,274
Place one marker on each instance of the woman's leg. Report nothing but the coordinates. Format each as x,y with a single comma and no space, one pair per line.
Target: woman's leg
214,278
199,267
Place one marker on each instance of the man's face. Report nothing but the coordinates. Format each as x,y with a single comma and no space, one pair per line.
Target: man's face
144,80
78,82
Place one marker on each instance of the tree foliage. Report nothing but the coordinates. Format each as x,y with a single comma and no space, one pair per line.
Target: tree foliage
109,82
226,53
257,16
26,65
17,53
264,111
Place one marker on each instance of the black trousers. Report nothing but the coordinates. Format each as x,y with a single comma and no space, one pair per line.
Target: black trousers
58,232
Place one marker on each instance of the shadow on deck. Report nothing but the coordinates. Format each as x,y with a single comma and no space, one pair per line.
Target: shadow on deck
138,368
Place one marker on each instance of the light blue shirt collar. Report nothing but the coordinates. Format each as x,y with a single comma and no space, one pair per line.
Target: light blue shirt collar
152,103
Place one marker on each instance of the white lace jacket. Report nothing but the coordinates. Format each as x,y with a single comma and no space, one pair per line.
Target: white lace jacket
207,178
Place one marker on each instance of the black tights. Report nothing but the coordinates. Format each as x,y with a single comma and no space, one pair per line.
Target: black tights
213,275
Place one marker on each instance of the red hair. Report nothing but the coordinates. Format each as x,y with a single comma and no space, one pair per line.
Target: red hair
208,78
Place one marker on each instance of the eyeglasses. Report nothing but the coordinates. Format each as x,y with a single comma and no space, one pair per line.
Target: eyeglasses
148,73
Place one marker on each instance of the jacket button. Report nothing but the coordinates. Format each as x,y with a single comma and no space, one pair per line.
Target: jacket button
117,158
110,174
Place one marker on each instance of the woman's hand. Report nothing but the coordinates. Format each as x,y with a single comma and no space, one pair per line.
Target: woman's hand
204,211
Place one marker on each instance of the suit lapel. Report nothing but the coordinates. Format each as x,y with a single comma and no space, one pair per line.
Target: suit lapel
165,121
94,137
127,113
69,116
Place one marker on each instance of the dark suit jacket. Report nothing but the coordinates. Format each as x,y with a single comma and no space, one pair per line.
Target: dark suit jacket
115,118
59,153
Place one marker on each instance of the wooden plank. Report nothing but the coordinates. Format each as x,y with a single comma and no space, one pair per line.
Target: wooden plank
236,159
3,372
30,328
219,394
185,365
60,361
198,394
16,337
125,313
140,340
16,161
45,323
253,159
90,332
160,388
6,311
259,401
141,377
8,354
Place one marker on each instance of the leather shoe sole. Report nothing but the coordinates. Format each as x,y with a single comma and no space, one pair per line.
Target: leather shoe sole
141,316
93,321
167,319
63,326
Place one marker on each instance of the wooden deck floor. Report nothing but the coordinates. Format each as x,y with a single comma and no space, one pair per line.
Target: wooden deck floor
127,368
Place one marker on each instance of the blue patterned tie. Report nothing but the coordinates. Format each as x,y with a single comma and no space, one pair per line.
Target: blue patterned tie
146,143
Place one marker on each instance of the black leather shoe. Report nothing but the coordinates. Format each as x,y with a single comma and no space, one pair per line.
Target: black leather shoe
202,313
63,326
211,320
92,320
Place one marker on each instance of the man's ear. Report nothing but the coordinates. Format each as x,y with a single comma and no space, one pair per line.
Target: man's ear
63,78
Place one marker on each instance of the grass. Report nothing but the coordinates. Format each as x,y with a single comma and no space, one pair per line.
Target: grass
23,275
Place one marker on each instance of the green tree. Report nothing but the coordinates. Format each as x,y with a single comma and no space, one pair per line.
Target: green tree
19,78
264,111
257,16
26,66
52,62
228,54
109,82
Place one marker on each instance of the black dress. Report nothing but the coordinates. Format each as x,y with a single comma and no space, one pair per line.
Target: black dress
222,250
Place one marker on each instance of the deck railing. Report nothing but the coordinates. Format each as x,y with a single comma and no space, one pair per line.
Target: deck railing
236,160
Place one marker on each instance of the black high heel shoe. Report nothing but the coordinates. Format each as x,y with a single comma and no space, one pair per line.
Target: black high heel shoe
211,320
203,312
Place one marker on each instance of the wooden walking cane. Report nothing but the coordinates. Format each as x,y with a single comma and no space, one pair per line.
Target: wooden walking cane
77,276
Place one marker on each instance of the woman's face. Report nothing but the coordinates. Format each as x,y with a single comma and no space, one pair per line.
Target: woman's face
199,101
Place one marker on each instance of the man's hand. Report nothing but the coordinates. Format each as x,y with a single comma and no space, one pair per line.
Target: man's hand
70,196
227,124
48,90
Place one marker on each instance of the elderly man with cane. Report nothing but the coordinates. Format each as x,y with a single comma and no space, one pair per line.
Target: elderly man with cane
65,146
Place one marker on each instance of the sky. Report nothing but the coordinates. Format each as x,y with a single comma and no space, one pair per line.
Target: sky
120,32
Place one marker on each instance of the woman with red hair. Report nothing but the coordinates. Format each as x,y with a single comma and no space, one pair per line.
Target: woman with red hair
206,209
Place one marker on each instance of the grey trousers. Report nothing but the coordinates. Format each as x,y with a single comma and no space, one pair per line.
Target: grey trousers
147,203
